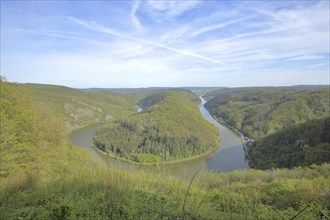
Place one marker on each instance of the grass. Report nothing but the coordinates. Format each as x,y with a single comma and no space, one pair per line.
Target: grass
109,193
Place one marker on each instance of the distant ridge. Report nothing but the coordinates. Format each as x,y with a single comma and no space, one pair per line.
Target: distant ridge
207,88
150,89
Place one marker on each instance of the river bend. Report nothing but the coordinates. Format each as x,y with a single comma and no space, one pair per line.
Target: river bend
229,156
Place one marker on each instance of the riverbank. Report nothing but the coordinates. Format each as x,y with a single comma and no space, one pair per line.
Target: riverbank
84,126
80,141
241,135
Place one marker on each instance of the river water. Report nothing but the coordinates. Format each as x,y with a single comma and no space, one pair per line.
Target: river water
229,156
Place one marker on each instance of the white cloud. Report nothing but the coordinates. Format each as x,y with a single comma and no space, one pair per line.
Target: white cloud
317,65
299,19
134,18
162,10
280,39
308,57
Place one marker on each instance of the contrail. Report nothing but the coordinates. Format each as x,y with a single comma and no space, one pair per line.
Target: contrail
101,28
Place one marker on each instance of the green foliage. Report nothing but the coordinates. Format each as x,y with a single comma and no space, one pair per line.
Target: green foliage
26,125
147,158
300,145
258,112
32,137
261,112
120,194
79,108
151,100
170,127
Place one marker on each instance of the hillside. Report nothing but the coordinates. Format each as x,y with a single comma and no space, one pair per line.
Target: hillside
258,112
199,90
79,108
33,138
122,194
226,91
170,127
43,177
300,145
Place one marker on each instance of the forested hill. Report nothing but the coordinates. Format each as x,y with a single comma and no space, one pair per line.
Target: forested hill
151,100
222,91
300,145
152,89
169,127
79,108
258,112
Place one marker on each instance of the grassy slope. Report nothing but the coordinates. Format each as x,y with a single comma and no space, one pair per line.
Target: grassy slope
261,111
169,125
115,194
300,145
33,138
79,108
48,179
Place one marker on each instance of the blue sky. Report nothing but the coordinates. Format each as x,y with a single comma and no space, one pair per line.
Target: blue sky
165,43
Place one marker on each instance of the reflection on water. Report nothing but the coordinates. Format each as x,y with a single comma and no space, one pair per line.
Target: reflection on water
230,155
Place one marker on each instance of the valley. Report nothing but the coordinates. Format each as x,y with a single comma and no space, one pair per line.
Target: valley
288,124
227,157
42,172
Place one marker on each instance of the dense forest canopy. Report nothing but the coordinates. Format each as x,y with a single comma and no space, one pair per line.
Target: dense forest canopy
258,112
227,91
288,123
300,145
169,127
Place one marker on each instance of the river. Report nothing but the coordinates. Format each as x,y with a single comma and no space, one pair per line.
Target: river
229,156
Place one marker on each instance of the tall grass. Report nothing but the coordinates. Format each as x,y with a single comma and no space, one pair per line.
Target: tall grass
120,194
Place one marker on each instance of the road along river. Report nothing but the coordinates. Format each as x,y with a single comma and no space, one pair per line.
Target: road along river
229,156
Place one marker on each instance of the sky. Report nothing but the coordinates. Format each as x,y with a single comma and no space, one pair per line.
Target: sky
113,44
